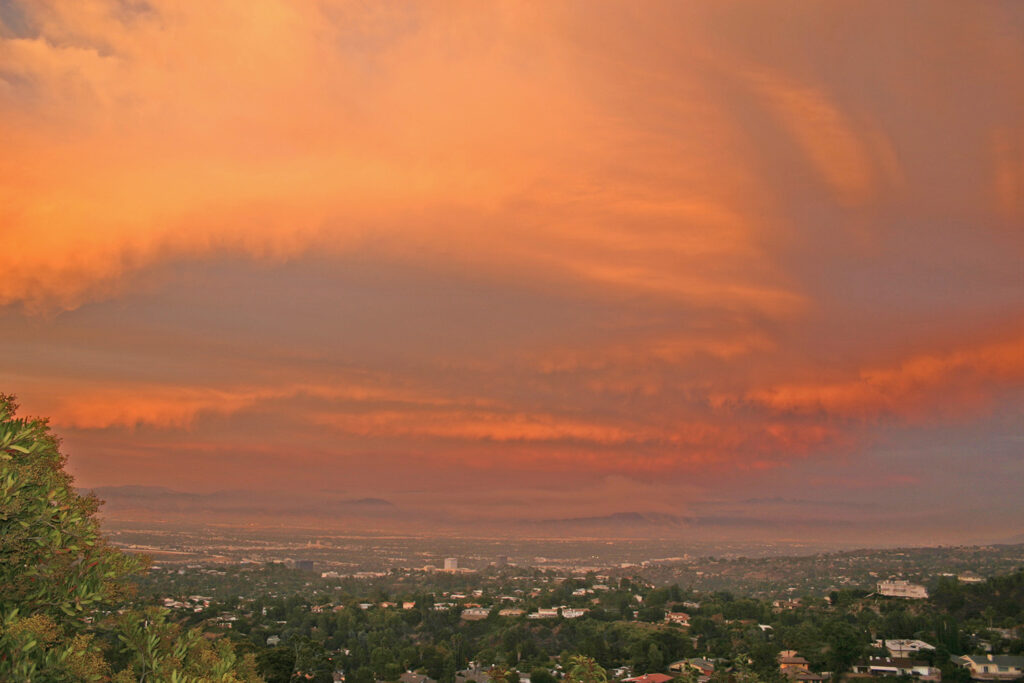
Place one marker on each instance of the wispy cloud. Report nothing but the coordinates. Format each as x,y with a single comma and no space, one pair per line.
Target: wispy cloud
698,246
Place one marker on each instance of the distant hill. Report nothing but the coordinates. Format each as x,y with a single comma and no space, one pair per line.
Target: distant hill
372,502
142,502
618,518
642,524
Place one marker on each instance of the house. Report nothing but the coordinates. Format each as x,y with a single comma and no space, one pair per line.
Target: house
904,647
970,577
704,667
544,613
899,588
992,667
474,674
791,663
273,641
475,613
894,667
648,678
680,618
412,677
573,612
810,677
511,612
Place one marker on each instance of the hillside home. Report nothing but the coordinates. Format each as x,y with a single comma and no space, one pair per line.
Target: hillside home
992,667
893,667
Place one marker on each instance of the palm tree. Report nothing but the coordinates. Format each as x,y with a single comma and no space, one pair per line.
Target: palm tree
585,669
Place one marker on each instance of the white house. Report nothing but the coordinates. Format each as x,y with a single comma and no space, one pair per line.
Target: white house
993,667
898,588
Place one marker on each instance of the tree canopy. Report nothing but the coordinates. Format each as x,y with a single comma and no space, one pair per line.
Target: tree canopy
62,583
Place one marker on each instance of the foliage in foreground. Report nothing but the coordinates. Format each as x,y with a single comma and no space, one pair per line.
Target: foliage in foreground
61,583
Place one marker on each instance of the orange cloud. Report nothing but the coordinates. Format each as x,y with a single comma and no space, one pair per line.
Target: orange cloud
325,138
177,407
823,132
601,241
1008,171
920,385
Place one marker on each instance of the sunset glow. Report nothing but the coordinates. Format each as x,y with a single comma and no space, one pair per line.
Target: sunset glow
508,261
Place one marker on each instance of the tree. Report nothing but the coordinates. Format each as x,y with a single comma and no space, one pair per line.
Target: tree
276,664
502,674
655,660
159,650
58,576
583,669
845,645
541,675
56,569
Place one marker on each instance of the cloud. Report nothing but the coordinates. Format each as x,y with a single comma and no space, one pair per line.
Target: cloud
326,138
922,385
824,134
694,245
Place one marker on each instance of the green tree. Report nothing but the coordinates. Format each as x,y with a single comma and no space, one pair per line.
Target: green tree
502,674
541,675
845,645
56,570
276,664
655,659
58,573
161,651
583,669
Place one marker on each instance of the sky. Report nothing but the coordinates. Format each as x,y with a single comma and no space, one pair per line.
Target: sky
731,262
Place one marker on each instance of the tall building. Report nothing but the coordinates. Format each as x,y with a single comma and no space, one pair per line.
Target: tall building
450,564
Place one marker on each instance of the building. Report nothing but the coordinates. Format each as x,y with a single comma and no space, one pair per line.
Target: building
704,667
992,667
412,677
474,674
894,667
573,612
898,588
648,678
450,564
904,647
680,618
475,613
970,577
791,664
304,565
544,613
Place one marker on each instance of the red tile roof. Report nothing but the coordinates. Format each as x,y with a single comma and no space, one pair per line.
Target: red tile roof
648,678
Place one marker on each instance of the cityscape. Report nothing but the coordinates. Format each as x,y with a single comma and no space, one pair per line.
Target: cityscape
511,341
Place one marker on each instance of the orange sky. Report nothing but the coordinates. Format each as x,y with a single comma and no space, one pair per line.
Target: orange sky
560,258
